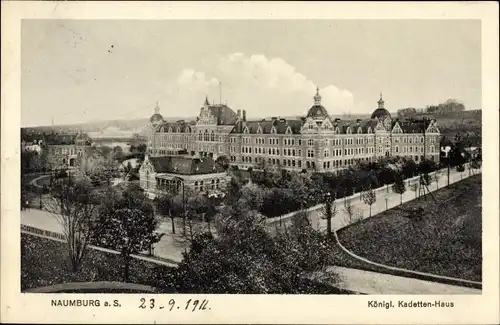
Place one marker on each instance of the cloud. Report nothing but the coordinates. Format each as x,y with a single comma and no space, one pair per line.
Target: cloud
260,85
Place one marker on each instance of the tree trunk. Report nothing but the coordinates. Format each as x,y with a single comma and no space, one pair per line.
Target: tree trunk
191,229
173,224
370,211
126,266
401,199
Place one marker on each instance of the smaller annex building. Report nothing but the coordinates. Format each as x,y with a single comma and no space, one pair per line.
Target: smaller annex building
175,174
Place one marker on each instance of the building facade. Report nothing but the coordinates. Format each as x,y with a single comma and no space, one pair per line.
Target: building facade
66,151
178,174
315,142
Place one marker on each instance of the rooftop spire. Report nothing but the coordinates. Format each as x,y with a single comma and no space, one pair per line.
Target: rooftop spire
381,102
157,108
317,97
206,101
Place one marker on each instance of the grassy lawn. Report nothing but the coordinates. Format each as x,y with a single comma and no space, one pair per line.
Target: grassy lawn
45,262
446,241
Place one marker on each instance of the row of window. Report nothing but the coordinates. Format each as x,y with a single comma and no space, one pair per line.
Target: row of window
209,136
291,142
202,186
332,164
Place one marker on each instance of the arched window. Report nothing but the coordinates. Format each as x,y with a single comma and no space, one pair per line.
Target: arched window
212,136
200,136
205,137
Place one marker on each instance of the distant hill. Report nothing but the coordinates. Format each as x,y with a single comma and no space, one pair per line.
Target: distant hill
449,123
125,125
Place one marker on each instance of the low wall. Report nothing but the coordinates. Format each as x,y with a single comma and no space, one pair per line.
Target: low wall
60,237
97,287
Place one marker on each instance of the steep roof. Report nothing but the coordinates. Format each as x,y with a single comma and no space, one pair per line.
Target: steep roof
185,165
380,113
183,125
317,111
223,114
414,126
266,126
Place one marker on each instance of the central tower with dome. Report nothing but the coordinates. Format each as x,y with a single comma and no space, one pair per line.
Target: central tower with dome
317,112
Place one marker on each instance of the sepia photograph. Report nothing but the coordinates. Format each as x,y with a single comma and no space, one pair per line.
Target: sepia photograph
224,157
298,157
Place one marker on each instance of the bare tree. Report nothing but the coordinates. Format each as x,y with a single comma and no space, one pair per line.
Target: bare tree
352,216
72,204
436,177
414,187
369,198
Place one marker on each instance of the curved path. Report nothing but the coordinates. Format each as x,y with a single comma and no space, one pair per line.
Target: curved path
369,282
410,273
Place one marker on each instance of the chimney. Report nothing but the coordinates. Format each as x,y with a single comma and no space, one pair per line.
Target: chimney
244,115
239,113
336,121
358,121
274,118
282,120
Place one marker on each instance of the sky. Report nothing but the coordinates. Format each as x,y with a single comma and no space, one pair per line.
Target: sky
76,71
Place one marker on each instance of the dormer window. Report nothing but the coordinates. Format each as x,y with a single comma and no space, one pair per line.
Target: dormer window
178,130
348,131
245,130
259,130
273,130
288,130
170,130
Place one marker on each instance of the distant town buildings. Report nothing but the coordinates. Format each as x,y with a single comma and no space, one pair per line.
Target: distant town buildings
315,142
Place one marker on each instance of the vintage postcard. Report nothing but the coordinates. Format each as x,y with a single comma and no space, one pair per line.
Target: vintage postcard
249,162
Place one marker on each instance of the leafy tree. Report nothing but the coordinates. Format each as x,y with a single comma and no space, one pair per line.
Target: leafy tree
330,210
476,163
399,186
233,192
73,205
369,198
223,161
127,223
253,195
245,258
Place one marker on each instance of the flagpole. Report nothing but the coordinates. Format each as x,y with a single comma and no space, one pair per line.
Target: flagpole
220,92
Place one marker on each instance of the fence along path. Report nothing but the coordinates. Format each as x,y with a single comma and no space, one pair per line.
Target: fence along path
61,238
355,198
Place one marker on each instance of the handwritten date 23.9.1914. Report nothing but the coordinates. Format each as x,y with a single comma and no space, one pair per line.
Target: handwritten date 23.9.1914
191,305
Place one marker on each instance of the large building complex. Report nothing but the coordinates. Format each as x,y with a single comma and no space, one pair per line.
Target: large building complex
315,142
